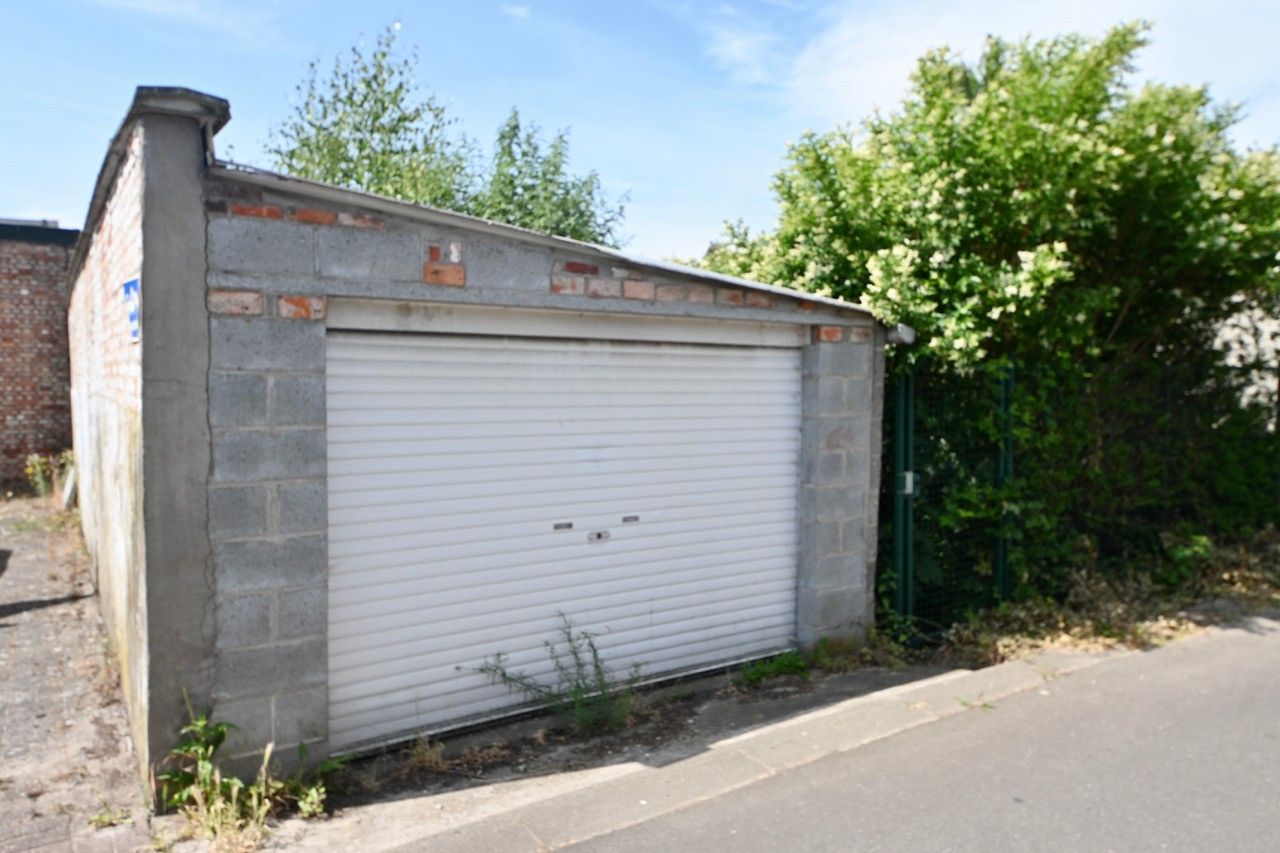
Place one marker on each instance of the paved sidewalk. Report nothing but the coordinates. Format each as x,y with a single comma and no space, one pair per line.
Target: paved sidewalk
555,811
1176,749
65,753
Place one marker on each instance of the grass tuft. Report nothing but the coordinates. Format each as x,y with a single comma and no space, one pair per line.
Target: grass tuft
787,663
109,817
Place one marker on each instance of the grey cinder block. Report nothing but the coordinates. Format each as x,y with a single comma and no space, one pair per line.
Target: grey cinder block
268,564
258,671
834,571
258,455
301,612
300,716
507,265
843,360
303,506
297,400
251,244
252,721
237,511
244,620
263,343
369,253
237,399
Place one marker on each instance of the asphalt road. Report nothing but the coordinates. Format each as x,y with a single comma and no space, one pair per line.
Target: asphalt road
1175,749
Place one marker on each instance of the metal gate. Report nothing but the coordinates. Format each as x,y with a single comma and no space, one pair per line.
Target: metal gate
949,459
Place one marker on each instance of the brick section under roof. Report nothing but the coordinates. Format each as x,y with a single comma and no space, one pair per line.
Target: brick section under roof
35,379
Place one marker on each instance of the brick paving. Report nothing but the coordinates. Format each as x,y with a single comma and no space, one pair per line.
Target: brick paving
65,752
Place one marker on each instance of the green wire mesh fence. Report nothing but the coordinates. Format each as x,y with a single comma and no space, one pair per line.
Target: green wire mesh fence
942,553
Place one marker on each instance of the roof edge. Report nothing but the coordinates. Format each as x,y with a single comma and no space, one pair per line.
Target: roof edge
209,111
42,234
264,178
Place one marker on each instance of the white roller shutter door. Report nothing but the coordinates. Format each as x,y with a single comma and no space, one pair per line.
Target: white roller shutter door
455,463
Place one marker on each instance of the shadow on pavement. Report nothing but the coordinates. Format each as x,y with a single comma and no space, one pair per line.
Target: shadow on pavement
16,607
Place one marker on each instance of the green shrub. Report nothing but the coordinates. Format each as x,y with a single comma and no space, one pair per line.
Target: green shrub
1037,216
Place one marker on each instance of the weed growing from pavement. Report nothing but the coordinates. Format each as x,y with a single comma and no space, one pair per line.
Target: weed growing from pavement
829,654
970,704
585,693
787,663
28,525
45,472
109,817
107,680
843,654
427,754
231,813
39,472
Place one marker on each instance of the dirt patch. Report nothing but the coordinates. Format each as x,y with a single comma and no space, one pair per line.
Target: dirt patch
1100,613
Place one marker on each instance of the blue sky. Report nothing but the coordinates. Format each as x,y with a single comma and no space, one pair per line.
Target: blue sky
685,106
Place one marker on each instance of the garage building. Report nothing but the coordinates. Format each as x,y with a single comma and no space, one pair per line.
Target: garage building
336,450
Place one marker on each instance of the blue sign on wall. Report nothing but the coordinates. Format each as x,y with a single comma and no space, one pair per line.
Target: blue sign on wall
132,299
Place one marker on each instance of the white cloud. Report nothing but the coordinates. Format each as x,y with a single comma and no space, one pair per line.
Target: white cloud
741,44
743,53
862,59
516,10
248,24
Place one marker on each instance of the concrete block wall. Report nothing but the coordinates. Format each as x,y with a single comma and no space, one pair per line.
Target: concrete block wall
839,482
35,379
106,409
275,243
267,518
276,259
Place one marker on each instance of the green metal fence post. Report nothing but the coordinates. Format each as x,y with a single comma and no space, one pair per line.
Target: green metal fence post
1004,473
903,493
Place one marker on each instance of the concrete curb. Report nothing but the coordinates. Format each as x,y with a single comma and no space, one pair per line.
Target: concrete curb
552,812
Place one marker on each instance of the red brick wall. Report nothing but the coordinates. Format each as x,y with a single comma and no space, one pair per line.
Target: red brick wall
35,406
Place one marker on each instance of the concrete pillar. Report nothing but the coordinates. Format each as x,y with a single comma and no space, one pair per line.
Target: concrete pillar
175,413
839,482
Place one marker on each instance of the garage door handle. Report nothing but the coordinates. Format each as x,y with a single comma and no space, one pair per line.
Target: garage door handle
597,536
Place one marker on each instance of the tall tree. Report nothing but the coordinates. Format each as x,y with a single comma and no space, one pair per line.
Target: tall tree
367,124
529,184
